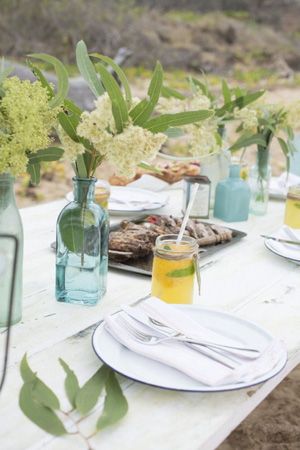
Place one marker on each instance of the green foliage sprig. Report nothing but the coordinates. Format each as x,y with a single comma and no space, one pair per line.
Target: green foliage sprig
41,405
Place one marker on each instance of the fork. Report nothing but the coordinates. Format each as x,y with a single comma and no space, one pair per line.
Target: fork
148,339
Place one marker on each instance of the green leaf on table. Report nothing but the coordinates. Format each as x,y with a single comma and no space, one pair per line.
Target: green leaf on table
45,154
42,79
286,151
119,73
68,126
168,92
34,171
143,110
246,140
88,395
42,393
62,77
38,413
226,92
115,404
165,121
71,383
119,106
178,273
87,69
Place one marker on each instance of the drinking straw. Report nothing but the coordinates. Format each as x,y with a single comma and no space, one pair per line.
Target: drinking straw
187,213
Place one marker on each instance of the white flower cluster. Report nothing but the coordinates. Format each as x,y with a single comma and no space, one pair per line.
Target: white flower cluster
124,150
248,117
203,136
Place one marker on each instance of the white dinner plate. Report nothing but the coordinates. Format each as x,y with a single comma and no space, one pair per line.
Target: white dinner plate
287,251
135,200
144,370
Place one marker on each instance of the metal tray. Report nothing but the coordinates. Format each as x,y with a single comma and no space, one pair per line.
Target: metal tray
143,266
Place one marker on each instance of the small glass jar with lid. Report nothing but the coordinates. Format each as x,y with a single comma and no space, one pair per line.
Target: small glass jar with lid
174,269
292,207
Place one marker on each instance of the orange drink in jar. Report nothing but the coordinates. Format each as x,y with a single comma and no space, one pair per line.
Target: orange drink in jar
174,268
292,207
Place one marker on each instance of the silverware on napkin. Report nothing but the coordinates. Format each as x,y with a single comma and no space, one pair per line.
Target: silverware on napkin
284,241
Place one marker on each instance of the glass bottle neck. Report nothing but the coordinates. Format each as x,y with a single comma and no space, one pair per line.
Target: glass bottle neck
7,194
84,189
234,171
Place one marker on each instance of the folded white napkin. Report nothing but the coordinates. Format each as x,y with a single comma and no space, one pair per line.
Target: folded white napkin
286,250
124,198
280,185
183,357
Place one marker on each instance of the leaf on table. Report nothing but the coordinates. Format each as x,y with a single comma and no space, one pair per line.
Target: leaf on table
115,404
38,413
88,395
41,392
71,383
150,167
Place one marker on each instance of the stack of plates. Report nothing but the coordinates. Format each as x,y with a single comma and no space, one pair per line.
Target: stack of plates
288,251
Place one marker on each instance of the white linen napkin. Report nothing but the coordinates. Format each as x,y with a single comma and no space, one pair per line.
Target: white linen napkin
185,358
286,250
123,198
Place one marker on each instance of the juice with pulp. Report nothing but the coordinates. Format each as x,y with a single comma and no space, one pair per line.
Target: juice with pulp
292,208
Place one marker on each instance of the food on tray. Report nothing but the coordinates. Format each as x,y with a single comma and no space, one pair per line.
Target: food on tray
171,173
136,240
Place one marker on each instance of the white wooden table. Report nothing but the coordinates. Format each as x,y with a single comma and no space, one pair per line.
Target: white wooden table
245,279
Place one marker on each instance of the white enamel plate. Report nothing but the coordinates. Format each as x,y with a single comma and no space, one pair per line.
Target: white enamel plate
151,372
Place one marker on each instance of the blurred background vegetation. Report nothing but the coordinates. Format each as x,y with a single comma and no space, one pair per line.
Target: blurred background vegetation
254,43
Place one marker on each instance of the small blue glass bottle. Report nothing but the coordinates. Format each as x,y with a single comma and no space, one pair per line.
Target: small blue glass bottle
232,197
81,247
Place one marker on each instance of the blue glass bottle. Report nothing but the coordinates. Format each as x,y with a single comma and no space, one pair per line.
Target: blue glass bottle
232,197
81,247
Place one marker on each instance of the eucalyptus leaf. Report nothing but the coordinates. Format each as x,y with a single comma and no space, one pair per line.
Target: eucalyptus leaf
115,404
71,383
120,74
226,92
239,102
39,414
286,151
168,92
73,226
87,69
34,171
247,140
88,395
143,110
41,392
174,132
119,106
81,166
72,107
165,121
66,123
45,154
62,77
150,167
42,79
179,273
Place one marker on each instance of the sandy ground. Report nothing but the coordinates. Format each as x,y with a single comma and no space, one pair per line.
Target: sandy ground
275,424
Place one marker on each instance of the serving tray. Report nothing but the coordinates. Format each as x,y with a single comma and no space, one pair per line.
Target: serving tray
143,265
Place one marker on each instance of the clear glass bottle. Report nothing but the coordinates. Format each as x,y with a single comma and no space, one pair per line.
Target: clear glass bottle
82,247
174,268
259,180
10,222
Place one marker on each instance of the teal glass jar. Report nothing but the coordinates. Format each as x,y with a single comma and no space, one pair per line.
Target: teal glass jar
232,197
82,247
10,222
259,180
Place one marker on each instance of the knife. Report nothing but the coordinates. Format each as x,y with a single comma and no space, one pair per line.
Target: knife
284,241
